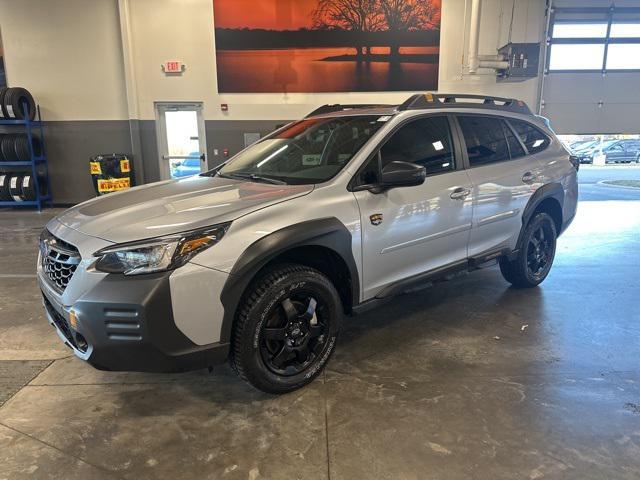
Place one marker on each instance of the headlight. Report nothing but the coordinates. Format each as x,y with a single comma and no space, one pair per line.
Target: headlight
157,254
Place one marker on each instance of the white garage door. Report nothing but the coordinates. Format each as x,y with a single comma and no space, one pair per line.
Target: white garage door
592,72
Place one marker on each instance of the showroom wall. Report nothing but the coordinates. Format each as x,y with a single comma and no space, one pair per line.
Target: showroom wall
95,68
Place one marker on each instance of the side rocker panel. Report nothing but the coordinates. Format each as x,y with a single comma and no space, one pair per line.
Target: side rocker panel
326,232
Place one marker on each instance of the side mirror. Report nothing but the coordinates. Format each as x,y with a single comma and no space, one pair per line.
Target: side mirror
402,174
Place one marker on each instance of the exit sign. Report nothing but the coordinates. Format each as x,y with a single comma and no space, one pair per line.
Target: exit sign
173,66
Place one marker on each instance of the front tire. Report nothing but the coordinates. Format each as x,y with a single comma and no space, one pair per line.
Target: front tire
535,255
286,328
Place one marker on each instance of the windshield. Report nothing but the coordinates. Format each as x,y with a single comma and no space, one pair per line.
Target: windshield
309,151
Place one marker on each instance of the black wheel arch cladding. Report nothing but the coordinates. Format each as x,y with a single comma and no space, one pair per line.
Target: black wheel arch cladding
548,191
328,232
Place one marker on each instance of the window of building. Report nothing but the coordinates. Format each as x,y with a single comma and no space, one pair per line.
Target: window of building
576,57
624,56
580,30
594,40
485,140
625,30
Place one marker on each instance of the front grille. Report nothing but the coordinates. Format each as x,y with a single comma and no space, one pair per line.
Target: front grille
59,260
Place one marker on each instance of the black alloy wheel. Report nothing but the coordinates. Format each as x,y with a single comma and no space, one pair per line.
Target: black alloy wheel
286,328
535,254
294,335
539,250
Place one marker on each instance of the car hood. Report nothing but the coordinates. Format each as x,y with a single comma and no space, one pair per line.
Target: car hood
173,206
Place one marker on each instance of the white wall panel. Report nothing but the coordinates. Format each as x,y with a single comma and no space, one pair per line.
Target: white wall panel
67,53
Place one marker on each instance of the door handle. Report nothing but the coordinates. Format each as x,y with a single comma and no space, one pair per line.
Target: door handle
528,177
460,193
182,157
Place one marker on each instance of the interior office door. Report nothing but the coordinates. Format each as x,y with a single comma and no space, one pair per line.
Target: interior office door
182,144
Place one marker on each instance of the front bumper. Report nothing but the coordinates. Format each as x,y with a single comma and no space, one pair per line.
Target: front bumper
129,326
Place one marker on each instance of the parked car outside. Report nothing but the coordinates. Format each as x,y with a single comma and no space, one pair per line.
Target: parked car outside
189,166
615,151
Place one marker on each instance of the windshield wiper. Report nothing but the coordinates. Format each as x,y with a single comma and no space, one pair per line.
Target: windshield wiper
253,176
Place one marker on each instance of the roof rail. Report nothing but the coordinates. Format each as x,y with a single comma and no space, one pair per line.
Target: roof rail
338,108
456,100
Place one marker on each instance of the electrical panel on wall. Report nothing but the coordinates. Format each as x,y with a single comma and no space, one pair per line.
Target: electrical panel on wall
523,60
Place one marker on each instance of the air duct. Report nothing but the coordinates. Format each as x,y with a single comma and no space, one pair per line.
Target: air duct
476,61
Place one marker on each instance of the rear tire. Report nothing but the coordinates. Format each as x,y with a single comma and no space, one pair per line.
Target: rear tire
286,328
535,255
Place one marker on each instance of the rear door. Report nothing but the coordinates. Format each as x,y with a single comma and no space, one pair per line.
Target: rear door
410,230
503,176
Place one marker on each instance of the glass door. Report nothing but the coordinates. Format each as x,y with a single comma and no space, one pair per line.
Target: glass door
181,139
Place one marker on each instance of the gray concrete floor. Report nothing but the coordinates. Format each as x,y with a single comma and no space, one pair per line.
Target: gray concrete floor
467,379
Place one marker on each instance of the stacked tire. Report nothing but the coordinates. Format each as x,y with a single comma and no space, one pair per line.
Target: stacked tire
14,147
16,103
19,186
16,183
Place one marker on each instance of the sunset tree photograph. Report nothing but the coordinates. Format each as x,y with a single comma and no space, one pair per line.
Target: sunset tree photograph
287,46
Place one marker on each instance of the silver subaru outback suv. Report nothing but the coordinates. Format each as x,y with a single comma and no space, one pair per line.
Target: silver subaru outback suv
258,260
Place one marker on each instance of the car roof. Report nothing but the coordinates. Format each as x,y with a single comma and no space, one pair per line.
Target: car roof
349,112
428,102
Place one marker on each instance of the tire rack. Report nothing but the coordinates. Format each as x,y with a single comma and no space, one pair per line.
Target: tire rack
36,125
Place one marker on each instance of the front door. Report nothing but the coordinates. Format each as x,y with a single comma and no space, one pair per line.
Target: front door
407,231
181,139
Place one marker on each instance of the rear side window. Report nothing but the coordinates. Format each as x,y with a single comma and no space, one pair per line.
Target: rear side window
425,142
533,139
485,139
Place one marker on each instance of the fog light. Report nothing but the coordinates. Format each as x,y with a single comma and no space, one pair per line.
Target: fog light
73,320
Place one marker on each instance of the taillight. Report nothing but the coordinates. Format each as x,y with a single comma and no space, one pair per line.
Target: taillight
575,161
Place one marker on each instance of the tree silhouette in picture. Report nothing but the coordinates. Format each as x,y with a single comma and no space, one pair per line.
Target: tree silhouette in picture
359,16
406,16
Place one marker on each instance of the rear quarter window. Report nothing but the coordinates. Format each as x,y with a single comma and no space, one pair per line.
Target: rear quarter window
532,137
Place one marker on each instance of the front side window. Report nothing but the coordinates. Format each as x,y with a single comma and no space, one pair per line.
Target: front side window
485,140
533,139
426,142
306,152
